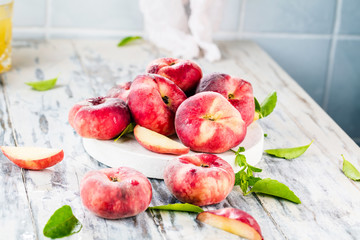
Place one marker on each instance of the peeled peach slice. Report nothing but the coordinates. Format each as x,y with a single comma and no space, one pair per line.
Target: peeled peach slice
158,143
33,158
232,220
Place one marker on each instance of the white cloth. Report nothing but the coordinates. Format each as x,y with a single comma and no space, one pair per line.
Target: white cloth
168,26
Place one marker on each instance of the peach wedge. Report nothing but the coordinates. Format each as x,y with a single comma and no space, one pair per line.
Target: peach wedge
232,220
33,158
158,143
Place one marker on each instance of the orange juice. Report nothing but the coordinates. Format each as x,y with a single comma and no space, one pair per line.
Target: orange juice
5,35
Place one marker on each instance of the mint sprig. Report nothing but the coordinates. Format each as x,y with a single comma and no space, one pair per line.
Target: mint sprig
245,179
267,106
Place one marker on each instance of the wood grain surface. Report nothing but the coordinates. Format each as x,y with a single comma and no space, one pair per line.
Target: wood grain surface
330,207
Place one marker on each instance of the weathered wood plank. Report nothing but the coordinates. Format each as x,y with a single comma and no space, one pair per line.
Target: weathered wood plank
330,201
15,215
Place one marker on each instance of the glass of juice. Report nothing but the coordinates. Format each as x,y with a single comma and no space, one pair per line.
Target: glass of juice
5,34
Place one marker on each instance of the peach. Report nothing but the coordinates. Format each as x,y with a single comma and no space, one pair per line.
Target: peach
33,158
158,143
100,118
184,73
115,193
238,92
232,220
153,101
121,91
200,179
207,122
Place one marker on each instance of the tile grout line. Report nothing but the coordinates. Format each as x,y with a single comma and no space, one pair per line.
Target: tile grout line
240,29
220,34
331,61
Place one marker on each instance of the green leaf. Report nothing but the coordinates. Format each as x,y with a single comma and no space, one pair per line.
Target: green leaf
265,135
62,223
127,40
252,180
254,169
257,107
273,187
349,170
240,160
129,129
268,105
43,85
288,153
181,207
240,149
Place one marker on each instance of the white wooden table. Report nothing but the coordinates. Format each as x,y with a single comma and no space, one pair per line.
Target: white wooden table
330,206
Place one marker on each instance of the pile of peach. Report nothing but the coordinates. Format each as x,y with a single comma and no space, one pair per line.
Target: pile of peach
209,114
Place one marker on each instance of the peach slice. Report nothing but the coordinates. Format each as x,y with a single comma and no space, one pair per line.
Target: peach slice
232,220
33,158
157,142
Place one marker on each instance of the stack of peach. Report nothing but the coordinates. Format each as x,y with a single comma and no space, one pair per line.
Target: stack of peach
209,114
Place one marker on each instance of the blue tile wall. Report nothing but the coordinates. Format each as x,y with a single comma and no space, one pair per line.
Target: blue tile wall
290,16
350,17
231,15
344,104
296,33
304,59
109,14
29,13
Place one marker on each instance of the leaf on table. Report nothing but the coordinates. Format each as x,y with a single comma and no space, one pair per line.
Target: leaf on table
180,207
127,40
268,105
129,129
62,223
274,188
257,107
43,85
349,170
288,153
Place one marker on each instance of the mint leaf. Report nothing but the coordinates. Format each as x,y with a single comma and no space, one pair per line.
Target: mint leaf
181,207
349,170
43,85
127,40
257,108
274,188
129,129
288,153
252,180
240,160
254,169
62,223
268,105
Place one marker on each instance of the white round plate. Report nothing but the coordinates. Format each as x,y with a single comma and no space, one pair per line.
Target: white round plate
129,153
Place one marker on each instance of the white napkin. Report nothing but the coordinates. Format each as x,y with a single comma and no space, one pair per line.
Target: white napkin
168,26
